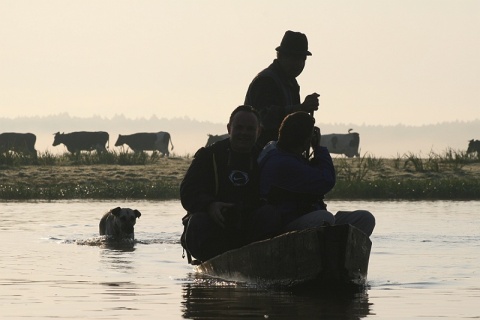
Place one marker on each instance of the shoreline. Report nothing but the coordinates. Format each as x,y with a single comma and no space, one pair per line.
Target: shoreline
357,179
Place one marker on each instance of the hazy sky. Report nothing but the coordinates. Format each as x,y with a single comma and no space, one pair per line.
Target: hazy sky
382,62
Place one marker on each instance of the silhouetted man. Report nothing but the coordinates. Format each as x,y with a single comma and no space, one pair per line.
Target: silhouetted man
275,93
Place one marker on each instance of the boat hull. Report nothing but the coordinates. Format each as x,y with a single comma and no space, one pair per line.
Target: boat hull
334,256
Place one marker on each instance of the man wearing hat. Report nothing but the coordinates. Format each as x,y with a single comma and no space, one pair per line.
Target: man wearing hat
275,93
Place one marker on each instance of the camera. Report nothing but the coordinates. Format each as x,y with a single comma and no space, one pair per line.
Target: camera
316,136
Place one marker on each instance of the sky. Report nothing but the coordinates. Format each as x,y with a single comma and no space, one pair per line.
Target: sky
374,62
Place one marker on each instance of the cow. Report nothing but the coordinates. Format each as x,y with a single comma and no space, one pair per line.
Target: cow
474,146
146,141
214,138
82,140
346,143
18,142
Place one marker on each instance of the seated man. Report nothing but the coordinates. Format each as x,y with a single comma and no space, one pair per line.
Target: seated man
295,187
220,189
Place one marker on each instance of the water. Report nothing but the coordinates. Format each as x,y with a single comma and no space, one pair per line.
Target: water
424,265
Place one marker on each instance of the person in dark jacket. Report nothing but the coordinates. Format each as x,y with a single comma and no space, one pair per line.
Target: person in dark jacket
295,186
220,189
275,93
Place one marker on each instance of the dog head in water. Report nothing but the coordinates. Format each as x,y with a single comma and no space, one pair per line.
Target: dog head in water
119,222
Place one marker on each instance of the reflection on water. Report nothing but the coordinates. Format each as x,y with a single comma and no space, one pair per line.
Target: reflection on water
117,258
206,298
423,265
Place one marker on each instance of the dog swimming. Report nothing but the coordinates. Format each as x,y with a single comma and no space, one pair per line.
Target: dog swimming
118,223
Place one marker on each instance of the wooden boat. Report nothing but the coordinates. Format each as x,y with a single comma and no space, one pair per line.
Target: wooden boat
330,257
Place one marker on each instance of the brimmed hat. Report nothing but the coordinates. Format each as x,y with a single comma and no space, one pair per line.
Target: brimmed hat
294,43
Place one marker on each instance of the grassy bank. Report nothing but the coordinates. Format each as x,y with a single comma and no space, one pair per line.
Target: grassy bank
451,175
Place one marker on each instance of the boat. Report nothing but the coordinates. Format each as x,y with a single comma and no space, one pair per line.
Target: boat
330,257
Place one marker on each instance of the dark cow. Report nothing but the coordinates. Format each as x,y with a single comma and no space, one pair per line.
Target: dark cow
474,146
18,142
338,143
82,140
146,141
214,138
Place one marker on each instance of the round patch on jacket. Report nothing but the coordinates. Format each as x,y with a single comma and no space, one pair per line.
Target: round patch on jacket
238,178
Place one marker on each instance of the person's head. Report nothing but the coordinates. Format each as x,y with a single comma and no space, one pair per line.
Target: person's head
292,53
296,132
244,128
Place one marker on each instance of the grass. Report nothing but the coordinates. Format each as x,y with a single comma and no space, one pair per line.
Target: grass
80,158
410,176
125,175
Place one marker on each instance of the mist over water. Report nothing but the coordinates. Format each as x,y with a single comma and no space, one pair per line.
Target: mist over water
189,135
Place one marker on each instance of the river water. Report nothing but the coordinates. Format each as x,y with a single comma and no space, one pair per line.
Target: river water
425,264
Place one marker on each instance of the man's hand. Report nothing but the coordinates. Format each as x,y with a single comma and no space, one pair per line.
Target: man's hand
311,103
215,211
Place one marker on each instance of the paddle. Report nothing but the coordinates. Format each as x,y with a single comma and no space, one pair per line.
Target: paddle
317,135
307,150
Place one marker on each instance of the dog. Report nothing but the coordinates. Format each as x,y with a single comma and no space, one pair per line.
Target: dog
118,223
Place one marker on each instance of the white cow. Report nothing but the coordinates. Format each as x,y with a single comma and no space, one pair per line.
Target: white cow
161,144
146,141
346,143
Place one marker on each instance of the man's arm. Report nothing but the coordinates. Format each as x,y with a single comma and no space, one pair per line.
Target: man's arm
322,161
293,173
198,186
266,96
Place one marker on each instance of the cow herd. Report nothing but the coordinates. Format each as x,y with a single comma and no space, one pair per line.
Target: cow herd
346,144
88,141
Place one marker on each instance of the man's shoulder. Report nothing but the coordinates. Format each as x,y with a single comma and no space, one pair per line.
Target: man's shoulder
271,78
219,146
268,74
278,157
206,154
267,151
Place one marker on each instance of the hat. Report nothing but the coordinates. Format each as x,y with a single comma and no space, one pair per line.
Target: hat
294,43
